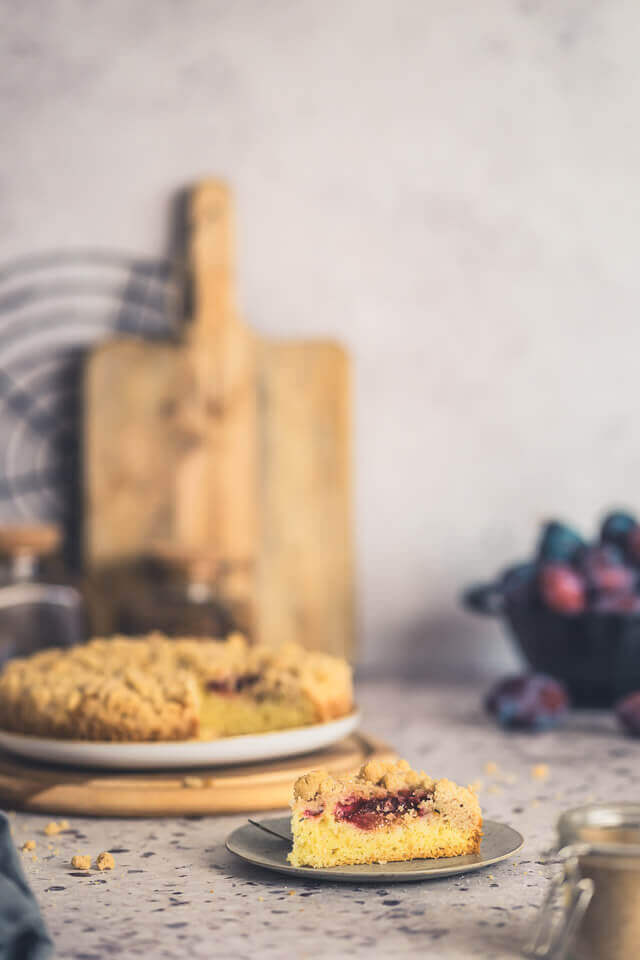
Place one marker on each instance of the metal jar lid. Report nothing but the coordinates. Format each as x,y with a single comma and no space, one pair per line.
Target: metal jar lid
607,829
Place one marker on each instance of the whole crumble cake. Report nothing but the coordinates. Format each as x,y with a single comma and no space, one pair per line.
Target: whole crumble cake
386,812
156,688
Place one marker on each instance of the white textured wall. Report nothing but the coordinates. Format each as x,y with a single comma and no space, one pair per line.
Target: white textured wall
451,187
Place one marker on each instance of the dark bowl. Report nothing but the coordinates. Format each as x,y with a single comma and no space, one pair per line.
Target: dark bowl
595,654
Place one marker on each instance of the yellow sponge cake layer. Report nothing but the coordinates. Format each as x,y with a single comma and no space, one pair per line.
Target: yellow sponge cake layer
230,715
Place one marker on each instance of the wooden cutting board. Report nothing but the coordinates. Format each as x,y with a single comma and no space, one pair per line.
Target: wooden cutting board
227,442
38,788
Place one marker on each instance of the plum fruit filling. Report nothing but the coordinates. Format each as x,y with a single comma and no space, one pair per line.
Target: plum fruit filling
369,813
232,685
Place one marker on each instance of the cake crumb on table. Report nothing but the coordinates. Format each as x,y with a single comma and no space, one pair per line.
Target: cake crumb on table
52,828
490,767
81,861
105,861
29,845
540,771
194,782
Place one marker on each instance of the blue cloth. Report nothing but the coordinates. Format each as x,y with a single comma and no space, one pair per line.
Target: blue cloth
23,935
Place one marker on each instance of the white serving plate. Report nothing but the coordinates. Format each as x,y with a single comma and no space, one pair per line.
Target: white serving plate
248,748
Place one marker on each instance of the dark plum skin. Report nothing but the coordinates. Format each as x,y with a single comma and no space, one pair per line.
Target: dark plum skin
616,528
562,588
529,701
558,544
622,603
628,713
633,544
605,570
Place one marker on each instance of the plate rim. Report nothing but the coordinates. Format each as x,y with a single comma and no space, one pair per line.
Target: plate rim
171,743
120,755
332,875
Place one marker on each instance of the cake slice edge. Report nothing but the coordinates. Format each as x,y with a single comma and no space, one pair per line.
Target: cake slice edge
387,812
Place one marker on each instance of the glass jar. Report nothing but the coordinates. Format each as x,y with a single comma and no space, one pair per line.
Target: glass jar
177,592
34,613
592,909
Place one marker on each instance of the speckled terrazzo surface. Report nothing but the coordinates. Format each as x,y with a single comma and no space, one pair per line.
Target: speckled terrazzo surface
176,893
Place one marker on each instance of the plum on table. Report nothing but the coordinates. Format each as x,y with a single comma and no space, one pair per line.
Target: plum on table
628,713
528,701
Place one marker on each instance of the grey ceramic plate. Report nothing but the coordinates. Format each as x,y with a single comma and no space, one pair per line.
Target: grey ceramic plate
266,850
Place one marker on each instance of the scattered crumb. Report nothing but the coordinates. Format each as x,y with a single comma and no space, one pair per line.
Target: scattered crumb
540,771
34,857
535,803
477,786
52,828
105,861
490,876
491,767
494,788
195,783
291,893
81,861
29,845
261,899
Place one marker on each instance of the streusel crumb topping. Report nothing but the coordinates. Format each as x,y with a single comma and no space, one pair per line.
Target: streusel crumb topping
151,688
376,777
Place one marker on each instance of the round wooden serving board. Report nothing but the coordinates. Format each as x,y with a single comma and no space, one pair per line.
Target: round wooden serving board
41,788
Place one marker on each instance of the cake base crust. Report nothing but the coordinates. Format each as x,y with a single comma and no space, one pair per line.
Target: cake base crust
325,844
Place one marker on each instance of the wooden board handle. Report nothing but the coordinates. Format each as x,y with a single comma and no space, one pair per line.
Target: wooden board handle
211,259
216,480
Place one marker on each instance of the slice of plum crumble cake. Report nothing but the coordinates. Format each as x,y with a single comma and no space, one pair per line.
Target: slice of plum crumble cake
386,812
